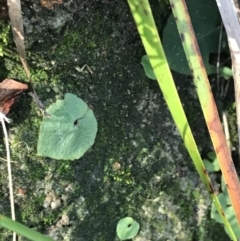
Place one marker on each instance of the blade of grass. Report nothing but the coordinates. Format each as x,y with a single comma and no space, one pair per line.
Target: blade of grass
22,229
207,102
142,14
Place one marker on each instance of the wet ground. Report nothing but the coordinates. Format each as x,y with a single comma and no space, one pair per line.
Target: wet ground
138,165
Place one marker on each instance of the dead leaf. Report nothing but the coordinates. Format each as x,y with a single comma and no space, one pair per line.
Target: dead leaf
49,4
9,91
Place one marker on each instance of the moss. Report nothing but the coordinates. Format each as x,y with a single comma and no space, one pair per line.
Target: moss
232,119
4,37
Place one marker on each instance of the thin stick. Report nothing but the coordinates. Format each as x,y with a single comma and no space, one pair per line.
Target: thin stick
226,129
3,118
39,102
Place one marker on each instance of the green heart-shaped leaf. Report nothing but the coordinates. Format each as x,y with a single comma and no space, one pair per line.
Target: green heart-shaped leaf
211,165
69,131
127,228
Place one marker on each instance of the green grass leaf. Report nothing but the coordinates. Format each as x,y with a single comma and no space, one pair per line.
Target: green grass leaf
22,230
69,131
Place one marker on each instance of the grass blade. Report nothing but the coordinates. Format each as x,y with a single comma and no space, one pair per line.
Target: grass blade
207,102
142,14
22,229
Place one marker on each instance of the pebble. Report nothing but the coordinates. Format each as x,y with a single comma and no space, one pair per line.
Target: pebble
56,204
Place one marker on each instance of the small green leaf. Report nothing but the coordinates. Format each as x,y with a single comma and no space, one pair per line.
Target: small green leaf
69,131
212,156
226,72
214,213
225,202
211,165
229,212
147,67
127,228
